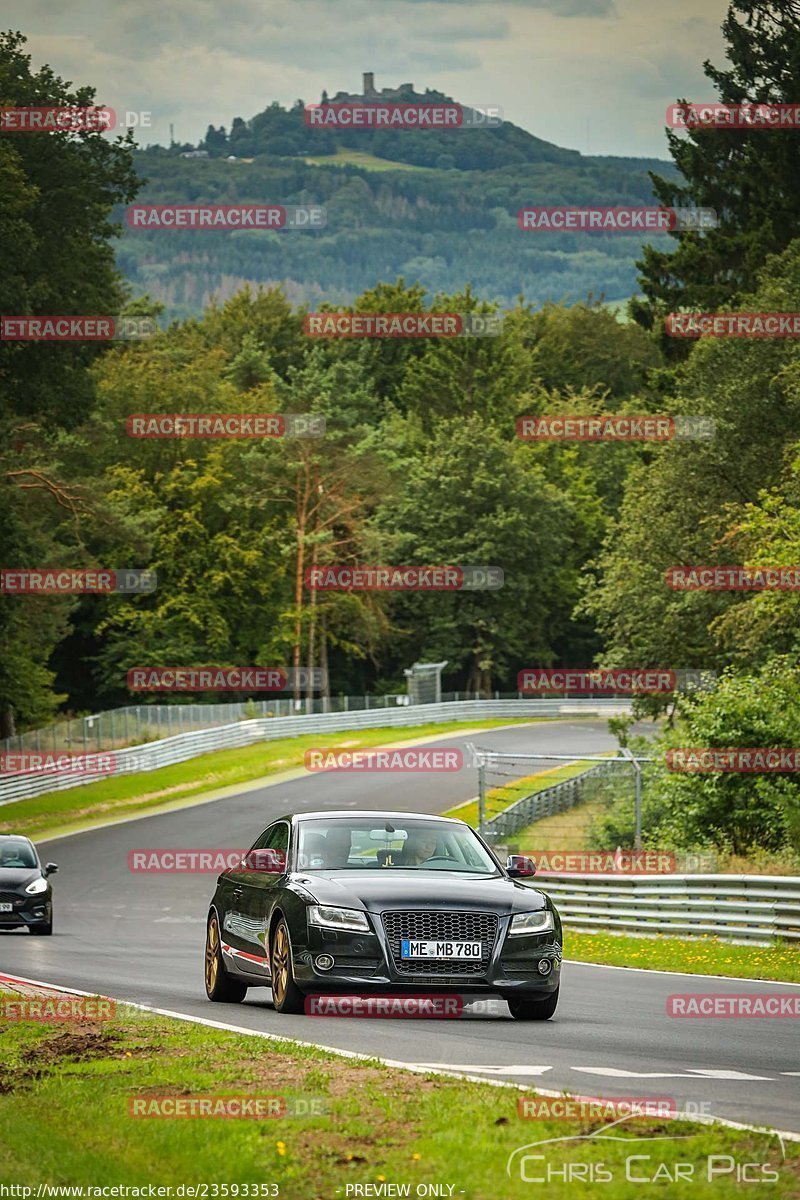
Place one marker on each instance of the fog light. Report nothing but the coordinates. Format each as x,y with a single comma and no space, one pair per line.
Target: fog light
323,962
545,966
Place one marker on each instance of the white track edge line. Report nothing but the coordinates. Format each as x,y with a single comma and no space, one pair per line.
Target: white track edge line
386,1062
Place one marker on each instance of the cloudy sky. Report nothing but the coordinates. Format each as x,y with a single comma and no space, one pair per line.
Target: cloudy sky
592,75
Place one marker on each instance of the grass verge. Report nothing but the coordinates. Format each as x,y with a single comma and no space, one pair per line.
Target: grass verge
125,795
66,1091
696,956
499,798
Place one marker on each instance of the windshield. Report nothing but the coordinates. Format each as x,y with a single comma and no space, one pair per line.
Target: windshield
16,854
346,844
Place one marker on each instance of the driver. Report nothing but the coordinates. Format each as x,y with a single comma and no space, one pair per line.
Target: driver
420,846
337,847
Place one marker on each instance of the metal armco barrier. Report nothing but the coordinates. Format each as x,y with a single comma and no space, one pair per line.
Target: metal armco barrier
547,803
167,751
735,908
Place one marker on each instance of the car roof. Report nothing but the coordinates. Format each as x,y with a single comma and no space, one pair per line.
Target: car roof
373,814
15,837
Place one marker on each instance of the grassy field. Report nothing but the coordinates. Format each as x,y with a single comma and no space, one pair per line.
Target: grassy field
360,158
125,795
695,956
66,1092
570,830
499,798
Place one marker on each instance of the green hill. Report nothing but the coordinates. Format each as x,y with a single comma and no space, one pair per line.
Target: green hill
437,207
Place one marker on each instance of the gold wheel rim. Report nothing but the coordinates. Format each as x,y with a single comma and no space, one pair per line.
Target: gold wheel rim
212,954
280,964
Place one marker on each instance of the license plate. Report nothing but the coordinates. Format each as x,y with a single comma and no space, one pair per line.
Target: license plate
6,907
412,949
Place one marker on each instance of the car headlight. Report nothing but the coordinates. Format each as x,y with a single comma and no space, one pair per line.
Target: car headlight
37,886
338,918
533,922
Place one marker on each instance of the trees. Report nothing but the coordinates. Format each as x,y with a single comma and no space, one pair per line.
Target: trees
751,179
55,229
465,496
696,502
735,811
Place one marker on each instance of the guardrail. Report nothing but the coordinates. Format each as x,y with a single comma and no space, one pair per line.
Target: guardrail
168,751
754,909
547,803
138,724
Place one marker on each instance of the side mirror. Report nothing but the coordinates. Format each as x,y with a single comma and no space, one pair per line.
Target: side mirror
519,866
269,862
51,868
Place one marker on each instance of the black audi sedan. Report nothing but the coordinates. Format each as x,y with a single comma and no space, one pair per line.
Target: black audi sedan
26,897
381,903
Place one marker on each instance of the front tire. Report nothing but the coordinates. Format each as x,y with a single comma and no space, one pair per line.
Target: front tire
220,986
42,930
526,1008
286,995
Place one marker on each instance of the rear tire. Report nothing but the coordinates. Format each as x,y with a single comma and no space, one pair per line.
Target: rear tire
525,1008
220,986
286,995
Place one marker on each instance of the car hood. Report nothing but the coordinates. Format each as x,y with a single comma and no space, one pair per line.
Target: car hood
380,890
16,879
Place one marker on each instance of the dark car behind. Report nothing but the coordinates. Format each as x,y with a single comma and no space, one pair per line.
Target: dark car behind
26,896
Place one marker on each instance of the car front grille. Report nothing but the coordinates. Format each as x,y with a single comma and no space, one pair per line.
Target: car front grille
423,925
10,898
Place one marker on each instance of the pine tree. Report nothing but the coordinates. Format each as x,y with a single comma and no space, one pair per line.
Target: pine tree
751,178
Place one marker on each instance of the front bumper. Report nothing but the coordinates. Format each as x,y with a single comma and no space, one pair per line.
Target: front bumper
364,962
26,911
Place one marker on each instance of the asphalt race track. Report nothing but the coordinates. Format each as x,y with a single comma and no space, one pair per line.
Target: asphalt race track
139,937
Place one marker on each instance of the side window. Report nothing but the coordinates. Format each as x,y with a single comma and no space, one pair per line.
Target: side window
263,840
279,838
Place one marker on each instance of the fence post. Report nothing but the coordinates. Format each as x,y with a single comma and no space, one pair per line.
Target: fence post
637,840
